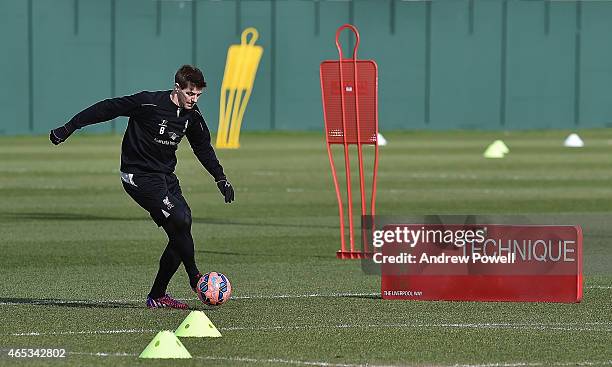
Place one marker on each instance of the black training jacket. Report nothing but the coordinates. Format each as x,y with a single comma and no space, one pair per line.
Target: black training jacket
155,128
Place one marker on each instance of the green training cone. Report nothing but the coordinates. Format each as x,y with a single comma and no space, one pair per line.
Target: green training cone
197,324
493,152
165,345
499,144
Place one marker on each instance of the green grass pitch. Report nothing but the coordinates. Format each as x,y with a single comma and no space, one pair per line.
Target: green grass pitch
78,255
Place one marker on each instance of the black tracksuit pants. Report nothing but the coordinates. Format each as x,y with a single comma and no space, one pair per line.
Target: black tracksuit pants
160,194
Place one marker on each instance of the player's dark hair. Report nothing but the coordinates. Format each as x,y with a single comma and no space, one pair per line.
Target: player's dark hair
189,74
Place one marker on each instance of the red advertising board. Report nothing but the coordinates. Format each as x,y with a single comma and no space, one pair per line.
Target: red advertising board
486,262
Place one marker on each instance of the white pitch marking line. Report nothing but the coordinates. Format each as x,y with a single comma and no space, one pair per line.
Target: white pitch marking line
312,295
562,327
104,354
526,326
242,359
289,361
533,364
85,332
329,364
276,296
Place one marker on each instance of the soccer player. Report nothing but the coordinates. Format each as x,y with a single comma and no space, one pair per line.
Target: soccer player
157,123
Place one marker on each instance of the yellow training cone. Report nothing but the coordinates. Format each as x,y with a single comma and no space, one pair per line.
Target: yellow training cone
493,151
501,146
165,345
240,69
198,325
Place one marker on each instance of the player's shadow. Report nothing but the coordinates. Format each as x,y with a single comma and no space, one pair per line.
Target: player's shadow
67,303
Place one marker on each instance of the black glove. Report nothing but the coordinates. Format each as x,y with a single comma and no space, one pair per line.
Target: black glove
226,190
59,135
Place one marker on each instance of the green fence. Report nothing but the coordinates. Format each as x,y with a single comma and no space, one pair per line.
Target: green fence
447,64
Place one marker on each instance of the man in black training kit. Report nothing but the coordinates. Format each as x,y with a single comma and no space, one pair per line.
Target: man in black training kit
157,123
